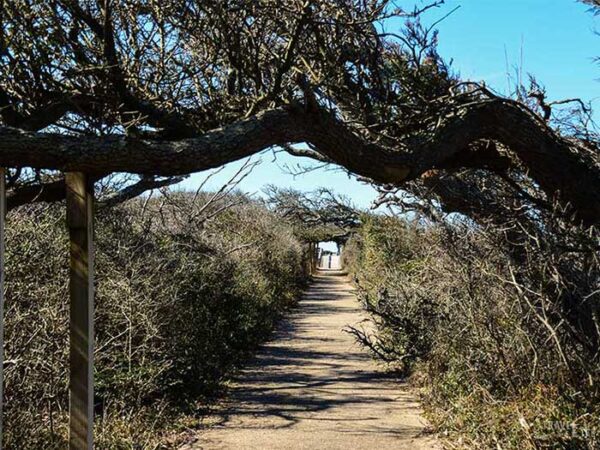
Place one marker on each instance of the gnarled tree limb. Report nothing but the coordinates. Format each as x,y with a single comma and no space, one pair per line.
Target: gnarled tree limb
562,168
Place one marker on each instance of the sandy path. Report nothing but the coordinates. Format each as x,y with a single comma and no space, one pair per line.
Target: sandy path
313,387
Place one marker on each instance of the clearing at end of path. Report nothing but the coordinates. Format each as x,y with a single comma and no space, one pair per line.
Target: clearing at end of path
314,387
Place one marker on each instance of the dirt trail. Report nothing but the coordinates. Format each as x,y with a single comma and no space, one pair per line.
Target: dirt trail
313,387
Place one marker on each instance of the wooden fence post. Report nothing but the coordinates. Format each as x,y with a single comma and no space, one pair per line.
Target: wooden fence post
80,195
2,222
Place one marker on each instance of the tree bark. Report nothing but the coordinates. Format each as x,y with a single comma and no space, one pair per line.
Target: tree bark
560,167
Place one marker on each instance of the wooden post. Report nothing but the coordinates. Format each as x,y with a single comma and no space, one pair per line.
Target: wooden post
80,195
2,221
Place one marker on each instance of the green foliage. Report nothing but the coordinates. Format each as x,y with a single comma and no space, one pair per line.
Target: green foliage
501,362
179,304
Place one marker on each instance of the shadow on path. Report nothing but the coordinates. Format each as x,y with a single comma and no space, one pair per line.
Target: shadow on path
312,386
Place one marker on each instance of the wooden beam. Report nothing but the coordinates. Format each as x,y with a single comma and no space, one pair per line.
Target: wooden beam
80,215
2,221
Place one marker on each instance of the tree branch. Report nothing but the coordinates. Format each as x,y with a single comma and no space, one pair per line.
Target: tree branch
146,183
562,168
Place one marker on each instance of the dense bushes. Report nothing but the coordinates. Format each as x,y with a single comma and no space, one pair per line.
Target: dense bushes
506,349
186,286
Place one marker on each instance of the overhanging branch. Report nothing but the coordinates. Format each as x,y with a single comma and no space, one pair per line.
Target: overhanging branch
557,165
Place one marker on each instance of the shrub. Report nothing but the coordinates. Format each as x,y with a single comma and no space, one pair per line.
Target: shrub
186,288
504,349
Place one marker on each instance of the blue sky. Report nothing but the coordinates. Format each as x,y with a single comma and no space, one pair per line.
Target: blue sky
552,39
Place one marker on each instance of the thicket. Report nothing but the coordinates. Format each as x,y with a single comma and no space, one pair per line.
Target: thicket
186,286
502,335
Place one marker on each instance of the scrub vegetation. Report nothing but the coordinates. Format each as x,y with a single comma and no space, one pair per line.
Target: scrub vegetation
187,285
507,352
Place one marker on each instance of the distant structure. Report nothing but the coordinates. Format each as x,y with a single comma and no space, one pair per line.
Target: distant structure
329,260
